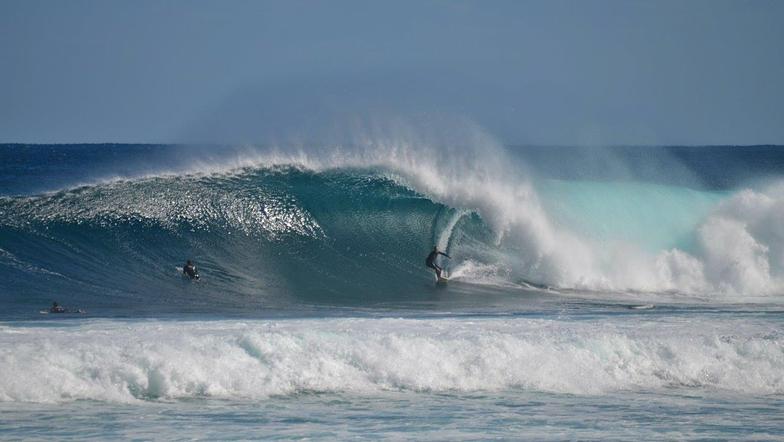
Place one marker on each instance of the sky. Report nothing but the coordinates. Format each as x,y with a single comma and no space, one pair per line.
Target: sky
526,72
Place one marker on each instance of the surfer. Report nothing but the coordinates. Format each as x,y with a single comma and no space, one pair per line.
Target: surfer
56,308
431,261
190,271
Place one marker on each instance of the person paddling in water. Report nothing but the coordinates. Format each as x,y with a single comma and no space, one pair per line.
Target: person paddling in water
56,308
190,270
431,261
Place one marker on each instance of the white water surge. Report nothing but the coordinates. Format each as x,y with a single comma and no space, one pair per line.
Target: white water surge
121,361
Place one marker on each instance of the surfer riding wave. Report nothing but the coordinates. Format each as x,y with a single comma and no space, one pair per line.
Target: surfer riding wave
430,262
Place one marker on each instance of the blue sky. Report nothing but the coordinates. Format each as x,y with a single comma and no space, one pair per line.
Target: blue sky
576,72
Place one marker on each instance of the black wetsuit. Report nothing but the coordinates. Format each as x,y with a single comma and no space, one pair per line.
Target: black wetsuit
431,261
190,270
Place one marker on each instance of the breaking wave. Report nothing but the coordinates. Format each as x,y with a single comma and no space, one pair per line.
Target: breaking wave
346,224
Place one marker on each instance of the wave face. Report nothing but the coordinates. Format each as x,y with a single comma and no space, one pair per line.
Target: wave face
258,236
332,225
119,361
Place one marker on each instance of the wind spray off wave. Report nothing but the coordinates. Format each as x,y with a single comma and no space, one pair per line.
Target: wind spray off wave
594,235
359,219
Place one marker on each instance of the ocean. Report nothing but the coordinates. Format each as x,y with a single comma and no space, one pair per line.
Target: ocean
613,293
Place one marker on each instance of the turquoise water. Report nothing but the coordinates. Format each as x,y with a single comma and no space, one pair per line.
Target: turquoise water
652,216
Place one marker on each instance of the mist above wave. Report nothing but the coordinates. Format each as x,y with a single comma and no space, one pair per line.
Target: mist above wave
613,235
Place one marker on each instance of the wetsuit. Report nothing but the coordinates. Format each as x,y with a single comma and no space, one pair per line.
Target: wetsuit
190,270
431,261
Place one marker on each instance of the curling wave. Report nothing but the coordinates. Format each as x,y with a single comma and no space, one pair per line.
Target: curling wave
348,224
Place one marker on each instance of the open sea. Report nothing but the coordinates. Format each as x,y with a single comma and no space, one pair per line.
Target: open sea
620,293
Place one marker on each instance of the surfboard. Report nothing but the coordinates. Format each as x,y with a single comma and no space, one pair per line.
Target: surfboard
72,312
442,281
642,307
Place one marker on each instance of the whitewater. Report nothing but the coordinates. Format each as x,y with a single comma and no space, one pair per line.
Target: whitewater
595,293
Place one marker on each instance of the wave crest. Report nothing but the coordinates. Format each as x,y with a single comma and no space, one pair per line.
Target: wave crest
394,197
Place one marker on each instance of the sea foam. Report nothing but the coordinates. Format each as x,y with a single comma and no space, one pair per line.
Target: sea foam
122,361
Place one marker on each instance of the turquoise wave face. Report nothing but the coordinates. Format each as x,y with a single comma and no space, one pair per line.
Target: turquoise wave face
652,216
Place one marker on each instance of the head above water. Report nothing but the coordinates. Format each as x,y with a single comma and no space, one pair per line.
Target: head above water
189,262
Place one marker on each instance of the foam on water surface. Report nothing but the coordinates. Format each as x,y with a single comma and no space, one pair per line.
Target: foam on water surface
128,361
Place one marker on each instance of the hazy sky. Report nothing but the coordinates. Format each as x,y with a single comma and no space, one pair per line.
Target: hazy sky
576,72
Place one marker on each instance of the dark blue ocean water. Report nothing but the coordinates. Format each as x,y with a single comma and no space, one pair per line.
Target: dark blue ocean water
603,293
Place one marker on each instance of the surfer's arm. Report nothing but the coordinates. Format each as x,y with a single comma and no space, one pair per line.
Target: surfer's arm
442,253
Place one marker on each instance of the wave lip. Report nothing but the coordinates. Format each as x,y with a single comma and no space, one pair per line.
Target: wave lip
126,362
202,203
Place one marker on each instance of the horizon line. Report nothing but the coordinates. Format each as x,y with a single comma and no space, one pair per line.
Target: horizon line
516,145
